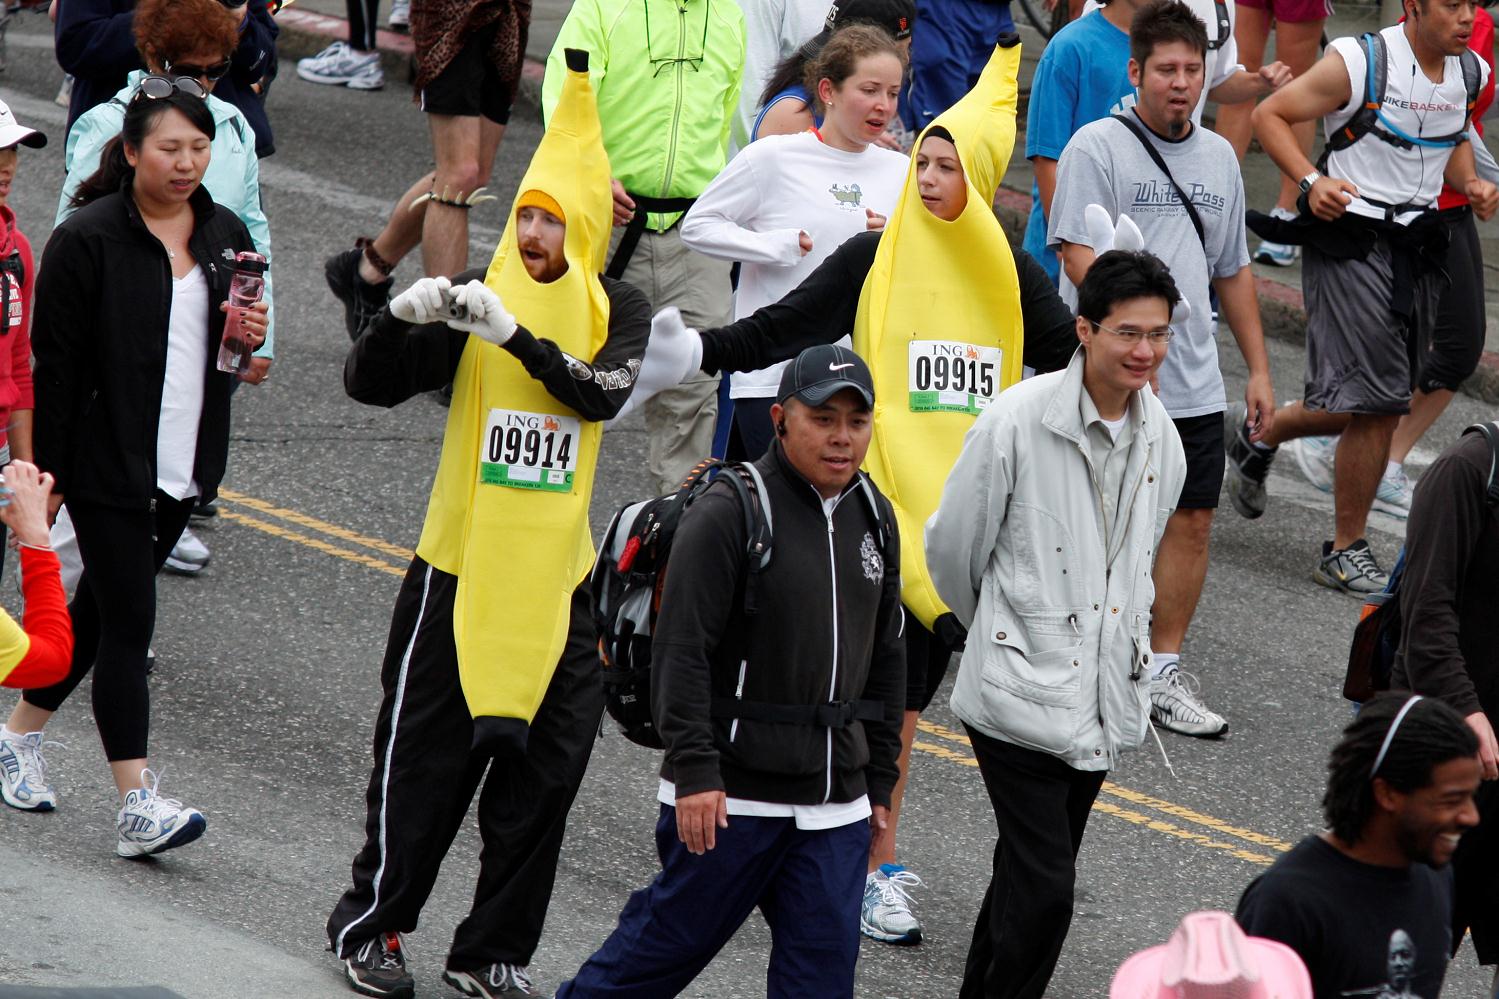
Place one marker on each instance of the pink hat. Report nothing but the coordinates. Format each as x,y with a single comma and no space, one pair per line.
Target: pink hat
1209,957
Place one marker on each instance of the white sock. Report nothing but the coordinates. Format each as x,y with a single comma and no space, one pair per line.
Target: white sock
1163,662
1390,468
7,735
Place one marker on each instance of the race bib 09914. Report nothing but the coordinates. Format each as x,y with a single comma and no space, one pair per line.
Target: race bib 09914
529,450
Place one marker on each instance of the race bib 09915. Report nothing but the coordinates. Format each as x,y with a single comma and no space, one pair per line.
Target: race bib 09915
529,450
951,376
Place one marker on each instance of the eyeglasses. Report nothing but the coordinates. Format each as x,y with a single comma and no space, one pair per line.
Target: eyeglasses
195,72
158,88
1157,337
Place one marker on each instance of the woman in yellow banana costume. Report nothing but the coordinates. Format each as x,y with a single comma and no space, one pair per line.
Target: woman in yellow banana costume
491,653
947,316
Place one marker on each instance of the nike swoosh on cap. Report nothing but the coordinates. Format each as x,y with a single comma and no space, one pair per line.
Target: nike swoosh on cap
840,367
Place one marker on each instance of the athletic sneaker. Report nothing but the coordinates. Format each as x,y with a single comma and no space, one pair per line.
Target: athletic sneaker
23,774
886,913
1278,254
149,824
378,968
1394,494
64,96
492,982
204,511
1247,465
1352,569
1174,705
361,300
1314,456
400,16
188,556
341,65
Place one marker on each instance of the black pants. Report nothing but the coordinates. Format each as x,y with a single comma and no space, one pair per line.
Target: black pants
1475,869
927,660
362,27
426,773
114,616
1448,353
1041,805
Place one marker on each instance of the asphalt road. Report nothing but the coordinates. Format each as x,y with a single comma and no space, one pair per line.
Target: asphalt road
266,681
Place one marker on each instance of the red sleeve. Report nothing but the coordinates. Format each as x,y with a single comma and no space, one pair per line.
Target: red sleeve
1480,41
46,622
20,364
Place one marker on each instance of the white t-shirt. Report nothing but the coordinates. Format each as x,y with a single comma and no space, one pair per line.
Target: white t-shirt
773,29
772,191
1417,107
182,392
1222,62
829,816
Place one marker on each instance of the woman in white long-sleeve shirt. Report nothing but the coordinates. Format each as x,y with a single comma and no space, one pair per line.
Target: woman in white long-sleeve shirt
786,202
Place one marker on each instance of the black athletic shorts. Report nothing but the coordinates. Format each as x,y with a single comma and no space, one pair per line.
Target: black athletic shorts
1449,353
1202,440
927,660
470,85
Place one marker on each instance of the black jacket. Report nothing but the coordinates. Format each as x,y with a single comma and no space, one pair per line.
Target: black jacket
95,41
1449,644
103,303
393,360
828,622
822,308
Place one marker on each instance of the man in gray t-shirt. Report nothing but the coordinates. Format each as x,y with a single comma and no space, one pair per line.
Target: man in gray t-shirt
1107,163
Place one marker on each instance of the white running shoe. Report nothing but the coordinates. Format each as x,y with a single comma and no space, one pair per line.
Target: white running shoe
1394,494
1174,706
340,65
23,774
149,823
1278,254
886,913
1314,456
400,16
189,555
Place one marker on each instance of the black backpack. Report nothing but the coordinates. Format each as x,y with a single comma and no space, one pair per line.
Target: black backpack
1376,639
1370,119
629,577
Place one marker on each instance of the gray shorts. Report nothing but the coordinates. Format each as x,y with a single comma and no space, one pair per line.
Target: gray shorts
1357,354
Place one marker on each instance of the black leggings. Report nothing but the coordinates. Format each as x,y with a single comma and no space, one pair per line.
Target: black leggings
363,15
1449,353
114,615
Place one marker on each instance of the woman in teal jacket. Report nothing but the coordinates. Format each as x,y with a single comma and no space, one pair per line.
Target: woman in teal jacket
195,38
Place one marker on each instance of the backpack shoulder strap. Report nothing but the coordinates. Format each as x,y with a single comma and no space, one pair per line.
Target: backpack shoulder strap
1472,83
1490,433
1366,114
1225,29
883,525
744,478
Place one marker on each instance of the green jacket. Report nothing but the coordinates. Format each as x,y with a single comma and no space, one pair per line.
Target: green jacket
667,77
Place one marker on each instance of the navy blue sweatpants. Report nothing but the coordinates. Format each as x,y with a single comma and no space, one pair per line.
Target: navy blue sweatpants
807,883
951,43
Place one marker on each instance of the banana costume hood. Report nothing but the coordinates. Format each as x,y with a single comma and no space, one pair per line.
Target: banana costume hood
509,509
939,319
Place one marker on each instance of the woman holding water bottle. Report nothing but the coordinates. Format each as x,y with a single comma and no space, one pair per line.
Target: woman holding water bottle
132,420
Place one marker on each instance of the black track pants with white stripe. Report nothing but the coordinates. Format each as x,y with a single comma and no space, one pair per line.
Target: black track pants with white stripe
425,776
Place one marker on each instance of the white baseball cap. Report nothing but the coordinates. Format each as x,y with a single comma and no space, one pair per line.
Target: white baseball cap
13,132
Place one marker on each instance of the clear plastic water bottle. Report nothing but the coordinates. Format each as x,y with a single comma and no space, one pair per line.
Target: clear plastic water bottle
244,291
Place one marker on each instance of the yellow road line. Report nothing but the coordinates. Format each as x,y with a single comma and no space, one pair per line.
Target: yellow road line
312,523
1137,798
929,727
1109,808
317,543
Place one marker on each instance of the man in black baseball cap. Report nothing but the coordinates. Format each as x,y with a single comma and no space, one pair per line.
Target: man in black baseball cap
782,744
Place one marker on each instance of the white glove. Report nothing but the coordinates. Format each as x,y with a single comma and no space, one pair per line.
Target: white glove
487,316
673,354
1105,235
422,302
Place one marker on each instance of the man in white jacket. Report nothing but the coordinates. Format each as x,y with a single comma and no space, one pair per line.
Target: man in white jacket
1043,546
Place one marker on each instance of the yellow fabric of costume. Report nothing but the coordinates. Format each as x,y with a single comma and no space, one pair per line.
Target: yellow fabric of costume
939,321
509,509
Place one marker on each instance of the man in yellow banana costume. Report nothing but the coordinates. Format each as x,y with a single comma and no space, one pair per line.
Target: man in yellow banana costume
491,650
947,316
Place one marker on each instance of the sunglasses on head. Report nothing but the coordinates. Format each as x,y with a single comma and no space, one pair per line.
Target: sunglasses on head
194,71
156,88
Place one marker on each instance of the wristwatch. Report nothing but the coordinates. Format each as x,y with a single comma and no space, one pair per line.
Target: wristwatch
1306,182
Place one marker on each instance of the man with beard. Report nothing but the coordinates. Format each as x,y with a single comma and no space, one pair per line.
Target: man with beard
1367,904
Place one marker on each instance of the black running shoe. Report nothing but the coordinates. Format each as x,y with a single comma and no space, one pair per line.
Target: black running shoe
497,981
1247,465
361,300
205,511
378,968
1352,570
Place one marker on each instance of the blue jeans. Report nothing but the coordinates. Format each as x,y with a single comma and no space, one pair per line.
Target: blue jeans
807,883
